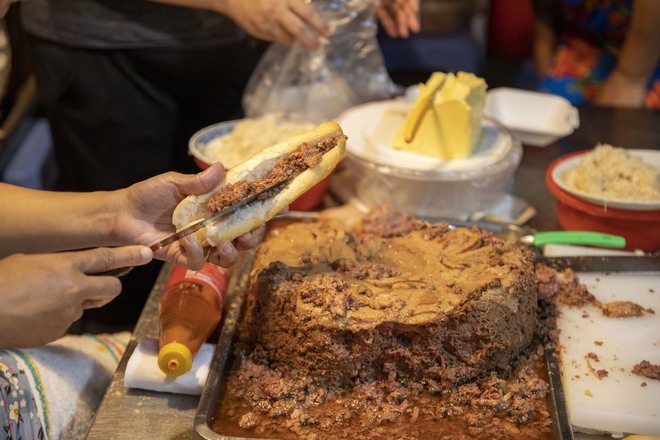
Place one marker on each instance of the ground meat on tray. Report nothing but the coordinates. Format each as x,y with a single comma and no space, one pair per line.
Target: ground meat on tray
563,287
392,379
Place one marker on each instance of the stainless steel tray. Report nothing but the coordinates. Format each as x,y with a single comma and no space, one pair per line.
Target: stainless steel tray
214,387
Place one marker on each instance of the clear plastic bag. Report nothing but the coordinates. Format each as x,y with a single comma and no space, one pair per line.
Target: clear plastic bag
347,69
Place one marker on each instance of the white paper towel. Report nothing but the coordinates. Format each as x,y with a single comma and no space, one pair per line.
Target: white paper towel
142,370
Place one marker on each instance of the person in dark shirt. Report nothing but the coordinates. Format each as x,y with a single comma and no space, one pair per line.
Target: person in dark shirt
125,84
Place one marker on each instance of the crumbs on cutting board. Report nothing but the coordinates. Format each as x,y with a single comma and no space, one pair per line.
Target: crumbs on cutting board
647,369
624,309
598,374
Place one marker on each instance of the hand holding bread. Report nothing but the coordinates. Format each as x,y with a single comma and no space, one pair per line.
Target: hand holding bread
305,158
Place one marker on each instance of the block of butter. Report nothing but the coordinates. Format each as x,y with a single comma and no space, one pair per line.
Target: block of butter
446,117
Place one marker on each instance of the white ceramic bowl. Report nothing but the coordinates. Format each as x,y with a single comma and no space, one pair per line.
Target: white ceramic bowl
232,142
649,156
421,185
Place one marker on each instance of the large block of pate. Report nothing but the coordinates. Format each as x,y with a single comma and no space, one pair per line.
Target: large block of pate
390,297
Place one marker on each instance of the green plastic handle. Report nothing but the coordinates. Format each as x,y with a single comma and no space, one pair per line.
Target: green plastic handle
579,237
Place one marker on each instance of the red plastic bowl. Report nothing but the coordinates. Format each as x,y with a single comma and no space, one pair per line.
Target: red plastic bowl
200,163
641,229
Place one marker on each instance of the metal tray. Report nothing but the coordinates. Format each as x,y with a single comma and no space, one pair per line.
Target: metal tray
222,361
214,386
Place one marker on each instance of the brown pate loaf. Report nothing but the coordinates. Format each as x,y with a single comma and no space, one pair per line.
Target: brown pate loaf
391,297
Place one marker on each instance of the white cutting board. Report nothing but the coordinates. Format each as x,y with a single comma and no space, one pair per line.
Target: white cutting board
617,403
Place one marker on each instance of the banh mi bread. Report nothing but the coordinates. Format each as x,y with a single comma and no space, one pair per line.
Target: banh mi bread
307,158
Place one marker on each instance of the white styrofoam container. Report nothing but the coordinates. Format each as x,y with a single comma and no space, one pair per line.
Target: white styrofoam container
534,118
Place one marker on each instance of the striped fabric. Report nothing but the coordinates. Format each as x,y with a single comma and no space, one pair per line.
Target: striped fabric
52,392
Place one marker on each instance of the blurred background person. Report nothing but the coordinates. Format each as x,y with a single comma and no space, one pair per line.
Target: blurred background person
602,52
125,84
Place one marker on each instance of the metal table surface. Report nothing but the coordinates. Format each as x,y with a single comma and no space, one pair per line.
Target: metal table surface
140,414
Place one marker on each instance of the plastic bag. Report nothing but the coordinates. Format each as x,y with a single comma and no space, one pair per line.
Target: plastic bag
347,69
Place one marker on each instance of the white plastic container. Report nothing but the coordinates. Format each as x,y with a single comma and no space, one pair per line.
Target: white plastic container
534,118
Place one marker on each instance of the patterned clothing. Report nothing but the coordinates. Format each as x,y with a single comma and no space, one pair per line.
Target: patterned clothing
24,414
52,392
589,49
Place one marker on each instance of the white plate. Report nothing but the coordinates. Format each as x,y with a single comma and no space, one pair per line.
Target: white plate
371,127
651,157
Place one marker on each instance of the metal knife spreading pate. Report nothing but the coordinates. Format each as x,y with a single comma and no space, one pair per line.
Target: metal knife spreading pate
202,223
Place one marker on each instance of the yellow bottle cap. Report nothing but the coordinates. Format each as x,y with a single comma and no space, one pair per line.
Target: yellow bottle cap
174,359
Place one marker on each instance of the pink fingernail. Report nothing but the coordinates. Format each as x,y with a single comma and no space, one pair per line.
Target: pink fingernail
145,252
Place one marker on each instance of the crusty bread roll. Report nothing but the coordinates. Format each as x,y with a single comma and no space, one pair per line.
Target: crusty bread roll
194,207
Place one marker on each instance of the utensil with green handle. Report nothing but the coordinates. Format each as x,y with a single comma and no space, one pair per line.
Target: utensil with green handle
525,235
587,238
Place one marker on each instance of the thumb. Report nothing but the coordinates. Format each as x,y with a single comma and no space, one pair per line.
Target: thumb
205,181
100,260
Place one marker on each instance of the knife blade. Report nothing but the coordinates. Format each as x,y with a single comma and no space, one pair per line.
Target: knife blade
594,263
202,223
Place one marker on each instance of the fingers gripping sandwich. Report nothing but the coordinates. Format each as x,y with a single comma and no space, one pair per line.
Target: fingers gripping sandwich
305,159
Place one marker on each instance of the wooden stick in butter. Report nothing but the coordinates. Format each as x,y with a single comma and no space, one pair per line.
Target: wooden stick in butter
445,118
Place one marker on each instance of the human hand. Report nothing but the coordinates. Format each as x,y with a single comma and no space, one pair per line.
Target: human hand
4,6
280,21
43,294
399,17
621,91
145,216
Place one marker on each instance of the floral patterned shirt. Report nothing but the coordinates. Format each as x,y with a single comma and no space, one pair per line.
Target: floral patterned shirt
589,49
23,413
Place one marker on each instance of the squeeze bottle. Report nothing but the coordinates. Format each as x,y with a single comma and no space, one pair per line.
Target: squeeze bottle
189,312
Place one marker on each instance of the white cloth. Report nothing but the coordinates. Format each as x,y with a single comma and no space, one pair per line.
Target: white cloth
142,370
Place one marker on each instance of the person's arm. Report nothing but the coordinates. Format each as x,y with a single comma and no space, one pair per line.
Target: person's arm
43,221
34,221
43,293
640,54
280,21
545,35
